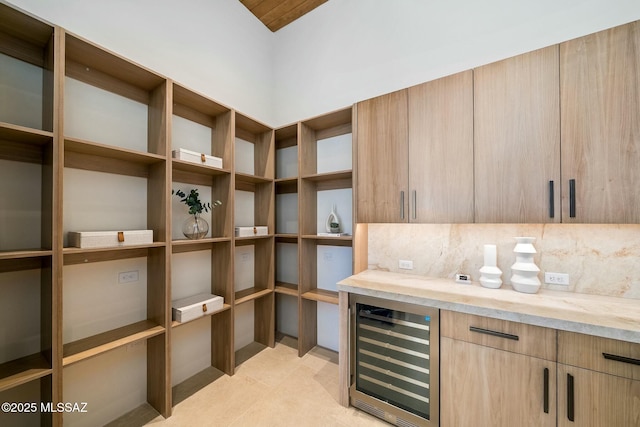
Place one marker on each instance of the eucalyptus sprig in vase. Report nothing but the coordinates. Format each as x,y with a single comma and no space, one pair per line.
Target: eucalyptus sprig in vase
195,227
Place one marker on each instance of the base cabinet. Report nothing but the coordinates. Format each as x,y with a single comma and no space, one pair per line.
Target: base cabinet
592,399
485,386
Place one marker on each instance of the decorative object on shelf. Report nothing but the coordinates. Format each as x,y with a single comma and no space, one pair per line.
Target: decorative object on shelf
195,227
333,222
199,158
107,239
490,273
525,271
260,230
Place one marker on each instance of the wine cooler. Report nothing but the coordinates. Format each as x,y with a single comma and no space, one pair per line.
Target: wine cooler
395,360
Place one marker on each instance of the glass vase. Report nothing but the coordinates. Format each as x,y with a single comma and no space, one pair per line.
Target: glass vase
195,227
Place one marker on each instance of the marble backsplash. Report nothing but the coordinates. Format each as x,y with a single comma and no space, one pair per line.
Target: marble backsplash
600,259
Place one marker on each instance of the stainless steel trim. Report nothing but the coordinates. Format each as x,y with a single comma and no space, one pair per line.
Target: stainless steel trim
395,334
395,347
395,361
394,375
415,203
396,321
394,388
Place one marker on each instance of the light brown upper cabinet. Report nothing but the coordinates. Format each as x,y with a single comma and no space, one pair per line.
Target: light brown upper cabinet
517,139
441,150
415,154
600,98
382,154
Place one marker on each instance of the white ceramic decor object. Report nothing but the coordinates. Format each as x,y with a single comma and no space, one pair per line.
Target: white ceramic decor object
490,273
333,222
525,271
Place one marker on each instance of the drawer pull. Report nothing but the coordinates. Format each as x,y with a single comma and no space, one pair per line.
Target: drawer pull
621,359
572,198
570,398
494,333
552,209
546,391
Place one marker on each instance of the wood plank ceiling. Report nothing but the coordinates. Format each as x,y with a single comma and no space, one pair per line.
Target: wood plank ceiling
275,14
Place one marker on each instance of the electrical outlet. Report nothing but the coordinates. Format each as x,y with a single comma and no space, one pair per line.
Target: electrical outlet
405,264
556,279
128,276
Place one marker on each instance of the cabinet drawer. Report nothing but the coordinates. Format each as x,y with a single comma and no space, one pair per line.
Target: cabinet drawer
516,337
599,354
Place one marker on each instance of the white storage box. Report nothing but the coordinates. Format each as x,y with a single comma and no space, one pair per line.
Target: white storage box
194,157
251,231
195,306
107,239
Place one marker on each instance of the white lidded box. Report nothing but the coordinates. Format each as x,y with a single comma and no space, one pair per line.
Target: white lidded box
195,157
195,306
252,231
107,239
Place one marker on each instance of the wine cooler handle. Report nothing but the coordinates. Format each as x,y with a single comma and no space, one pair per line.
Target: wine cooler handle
402,205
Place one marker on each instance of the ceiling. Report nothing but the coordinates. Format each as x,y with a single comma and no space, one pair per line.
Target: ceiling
275,14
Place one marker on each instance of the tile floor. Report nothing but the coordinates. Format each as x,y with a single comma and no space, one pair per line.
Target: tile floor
273,388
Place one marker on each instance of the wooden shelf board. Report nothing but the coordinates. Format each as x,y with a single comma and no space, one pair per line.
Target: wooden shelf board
175,324
287,238
194,384
250,294
244,241
287,136
19,25
21,371
286,288
85,255
330,120
329,241
250,125
251,179
93,58
86,348
90,148
322,295
185,166
329,176
186,245
26,253
11,132
286,185
195,101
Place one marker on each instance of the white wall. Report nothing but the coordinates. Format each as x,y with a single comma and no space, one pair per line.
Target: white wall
350,50
216,47
342,52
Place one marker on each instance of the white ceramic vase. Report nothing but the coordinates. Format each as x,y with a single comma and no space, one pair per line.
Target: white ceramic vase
333,222
490,274
524,271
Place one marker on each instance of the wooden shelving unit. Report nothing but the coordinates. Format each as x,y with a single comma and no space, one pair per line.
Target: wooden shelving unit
28,145
315,174
255,141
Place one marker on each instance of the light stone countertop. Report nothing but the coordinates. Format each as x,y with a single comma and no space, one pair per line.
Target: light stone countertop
603,316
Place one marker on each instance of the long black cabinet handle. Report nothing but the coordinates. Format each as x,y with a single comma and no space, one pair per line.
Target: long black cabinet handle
402,205
621,359
572,198
552,208
546,391
494,333
570,398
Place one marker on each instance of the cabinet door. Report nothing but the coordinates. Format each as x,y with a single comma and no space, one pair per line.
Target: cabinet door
441,150
482,386
517,139
600,98
382,159
593,399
